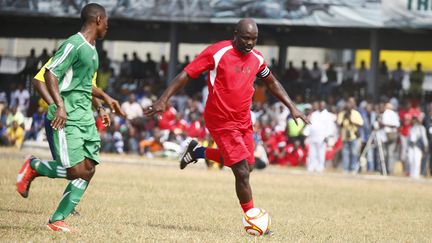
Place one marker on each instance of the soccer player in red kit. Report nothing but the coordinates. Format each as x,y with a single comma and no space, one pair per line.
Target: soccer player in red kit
232,67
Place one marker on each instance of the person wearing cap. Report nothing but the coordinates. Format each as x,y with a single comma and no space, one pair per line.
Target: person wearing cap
389,123
417,146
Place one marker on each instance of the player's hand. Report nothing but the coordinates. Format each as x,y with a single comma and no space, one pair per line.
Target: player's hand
60,117
106,120
297,114
115,107
158,107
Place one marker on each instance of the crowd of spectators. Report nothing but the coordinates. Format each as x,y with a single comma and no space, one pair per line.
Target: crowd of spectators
348,130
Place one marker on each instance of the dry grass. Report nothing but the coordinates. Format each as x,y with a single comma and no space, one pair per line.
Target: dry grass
130,202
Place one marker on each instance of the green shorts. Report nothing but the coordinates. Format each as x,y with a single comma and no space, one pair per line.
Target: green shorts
73,144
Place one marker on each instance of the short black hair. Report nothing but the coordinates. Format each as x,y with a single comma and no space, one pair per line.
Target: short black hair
90,11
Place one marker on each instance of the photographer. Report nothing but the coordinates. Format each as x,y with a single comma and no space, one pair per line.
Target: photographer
349,121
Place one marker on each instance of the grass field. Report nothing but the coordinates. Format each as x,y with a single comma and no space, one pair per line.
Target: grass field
156,202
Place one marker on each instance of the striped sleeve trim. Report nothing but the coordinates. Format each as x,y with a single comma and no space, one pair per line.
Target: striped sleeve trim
61,59
264,73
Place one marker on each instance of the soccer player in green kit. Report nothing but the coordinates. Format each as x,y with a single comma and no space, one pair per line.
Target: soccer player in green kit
77,142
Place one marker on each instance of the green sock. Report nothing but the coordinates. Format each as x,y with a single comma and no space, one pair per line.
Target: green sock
52,169
71,197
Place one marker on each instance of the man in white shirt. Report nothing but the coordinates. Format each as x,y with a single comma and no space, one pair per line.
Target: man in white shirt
390,124
21,98
132,108
317,132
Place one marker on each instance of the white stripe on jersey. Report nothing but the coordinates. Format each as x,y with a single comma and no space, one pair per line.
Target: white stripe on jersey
67,79
264,73
260,58
64,156
68,48
217,57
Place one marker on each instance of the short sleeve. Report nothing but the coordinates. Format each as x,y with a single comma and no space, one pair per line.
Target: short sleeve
203,62
40,75
63,59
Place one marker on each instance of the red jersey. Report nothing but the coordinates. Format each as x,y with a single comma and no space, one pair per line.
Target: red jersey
230,83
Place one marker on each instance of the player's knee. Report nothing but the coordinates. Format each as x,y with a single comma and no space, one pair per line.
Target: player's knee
241,171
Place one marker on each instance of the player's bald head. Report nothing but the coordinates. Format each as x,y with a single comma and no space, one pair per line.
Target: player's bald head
91,11
246,25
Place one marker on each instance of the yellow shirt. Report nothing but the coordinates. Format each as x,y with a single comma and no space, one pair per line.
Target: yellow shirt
17,135
40,75
349,127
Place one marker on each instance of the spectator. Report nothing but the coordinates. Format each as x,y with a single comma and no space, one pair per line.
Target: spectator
315,74
167,119
163,68
150,66
15,115
331,83
383,76
304,77
362,78
43,57
136,66
291,78
132,108
390,123
317,133
4,141
418,146
15,135
369,117
274,67
21,99
195,129
349,121
125,67
348,78
416,81
31,65
151,146
38,123
397,79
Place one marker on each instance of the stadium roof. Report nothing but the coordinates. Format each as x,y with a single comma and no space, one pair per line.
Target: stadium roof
270,34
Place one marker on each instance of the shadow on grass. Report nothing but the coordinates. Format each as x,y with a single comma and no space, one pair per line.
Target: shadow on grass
11,210
177,227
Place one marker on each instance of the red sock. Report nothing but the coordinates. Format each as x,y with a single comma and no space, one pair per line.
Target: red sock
213,154
247,206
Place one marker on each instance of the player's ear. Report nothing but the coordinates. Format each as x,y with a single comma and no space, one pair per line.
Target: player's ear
98,19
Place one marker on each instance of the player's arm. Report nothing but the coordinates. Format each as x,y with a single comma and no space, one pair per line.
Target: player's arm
106,120
159,106
279,92
113,103
60,115
42,89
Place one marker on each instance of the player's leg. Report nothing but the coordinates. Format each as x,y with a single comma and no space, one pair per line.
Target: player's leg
194,151
79,153
80,176
243,188
34,167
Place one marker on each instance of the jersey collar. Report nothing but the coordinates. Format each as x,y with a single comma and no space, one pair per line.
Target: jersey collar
85,40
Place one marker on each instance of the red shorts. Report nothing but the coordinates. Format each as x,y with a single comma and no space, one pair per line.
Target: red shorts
235,145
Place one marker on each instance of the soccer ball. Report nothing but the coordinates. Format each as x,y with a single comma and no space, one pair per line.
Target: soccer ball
256,221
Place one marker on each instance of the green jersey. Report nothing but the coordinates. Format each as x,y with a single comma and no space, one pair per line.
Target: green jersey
74,64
